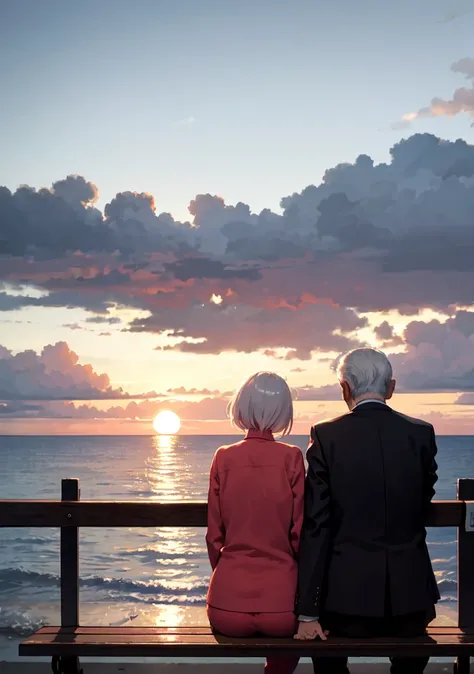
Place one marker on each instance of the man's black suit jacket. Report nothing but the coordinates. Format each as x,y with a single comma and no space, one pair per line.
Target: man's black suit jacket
371,476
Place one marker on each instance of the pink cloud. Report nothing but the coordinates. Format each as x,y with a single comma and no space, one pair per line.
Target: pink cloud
53,374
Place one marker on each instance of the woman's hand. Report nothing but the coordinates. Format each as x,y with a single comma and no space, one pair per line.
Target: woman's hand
310,630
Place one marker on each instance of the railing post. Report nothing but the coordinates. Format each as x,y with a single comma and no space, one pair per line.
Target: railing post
465,492
70,561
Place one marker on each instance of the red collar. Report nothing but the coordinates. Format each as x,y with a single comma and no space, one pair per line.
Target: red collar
260,435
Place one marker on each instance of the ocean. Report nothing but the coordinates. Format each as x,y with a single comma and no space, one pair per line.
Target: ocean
150,575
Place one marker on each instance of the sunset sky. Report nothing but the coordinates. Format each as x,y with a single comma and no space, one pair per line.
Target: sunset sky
196,191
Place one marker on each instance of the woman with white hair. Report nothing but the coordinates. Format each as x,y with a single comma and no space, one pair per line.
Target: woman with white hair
255,513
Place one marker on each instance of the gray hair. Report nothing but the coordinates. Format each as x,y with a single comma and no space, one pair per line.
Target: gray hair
366,371
263,403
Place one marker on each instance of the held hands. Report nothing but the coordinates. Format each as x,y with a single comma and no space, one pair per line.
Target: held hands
310,630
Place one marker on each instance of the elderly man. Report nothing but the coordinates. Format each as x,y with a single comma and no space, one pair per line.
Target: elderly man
364,566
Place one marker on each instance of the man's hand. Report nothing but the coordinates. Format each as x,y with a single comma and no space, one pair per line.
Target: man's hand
310,630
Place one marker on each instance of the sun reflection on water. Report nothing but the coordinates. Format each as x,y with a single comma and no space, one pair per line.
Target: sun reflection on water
171,616
165,443
171,559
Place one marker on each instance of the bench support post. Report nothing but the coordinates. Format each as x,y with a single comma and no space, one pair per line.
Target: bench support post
69,579
465,492
66,665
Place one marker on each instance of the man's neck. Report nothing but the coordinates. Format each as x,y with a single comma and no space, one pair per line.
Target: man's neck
368,398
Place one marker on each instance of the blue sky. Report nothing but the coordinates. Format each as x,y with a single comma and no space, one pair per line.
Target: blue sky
251,100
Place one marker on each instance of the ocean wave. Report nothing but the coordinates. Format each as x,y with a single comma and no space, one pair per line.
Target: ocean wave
11,577
19,623
178,590
447,588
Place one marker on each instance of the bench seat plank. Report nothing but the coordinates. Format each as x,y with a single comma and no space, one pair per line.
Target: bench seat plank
200,642
178,629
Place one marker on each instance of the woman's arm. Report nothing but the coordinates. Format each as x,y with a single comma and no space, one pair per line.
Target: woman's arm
215,528
297,486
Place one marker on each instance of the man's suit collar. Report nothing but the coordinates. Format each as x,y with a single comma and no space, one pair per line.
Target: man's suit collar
375,405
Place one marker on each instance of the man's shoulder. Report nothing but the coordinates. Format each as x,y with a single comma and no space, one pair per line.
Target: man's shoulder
349,417
412,420
327,424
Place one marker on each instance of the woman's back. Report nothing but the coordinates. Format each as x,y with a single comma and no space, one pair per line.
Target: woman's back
255,514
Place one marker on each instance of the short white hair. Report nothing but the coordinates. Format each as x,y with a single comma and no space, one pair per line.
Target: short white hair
263,403
366,371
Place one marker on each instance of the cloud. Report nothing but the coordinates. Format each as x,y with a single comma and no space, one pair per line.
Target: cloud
438,356
199,268
385,333
54,374
461,101
182,391
369,238
63,219
458,10
211,408
465,399
186,121
73,326
309,392
212,328
110,320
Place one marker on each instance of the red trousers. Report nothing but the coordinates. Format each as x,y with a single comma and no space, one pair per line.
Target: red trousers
234,624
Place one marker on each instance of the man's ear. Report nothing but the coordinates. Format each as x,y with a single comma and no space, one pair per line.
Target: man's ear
346,391
390,389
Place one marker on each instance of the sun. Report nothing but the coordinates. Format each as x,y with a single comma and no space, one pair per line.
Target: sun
166,423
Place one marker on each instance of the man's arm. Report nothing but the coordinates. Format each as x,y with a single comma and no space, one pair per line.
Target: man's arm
315,534
430,476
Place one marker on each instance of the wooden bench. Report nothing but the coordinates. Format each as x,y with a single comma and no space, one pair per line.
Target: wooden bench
200,642
66,644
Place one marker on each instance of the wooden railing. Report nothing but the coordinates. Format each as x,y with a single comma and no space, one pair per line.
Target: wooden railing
71,513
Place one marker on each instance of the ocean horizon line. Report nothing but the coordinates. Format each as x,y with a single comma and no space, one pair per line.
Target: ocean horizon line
175,435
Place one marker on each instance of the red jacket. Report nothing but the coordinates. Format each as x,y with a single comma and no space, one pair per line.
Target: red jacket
255,513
